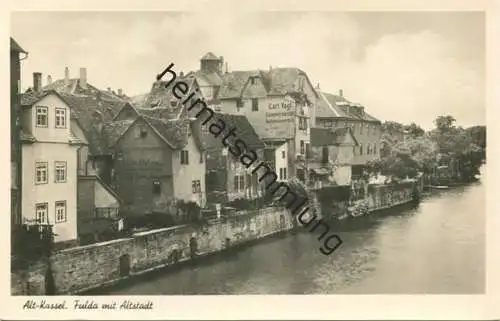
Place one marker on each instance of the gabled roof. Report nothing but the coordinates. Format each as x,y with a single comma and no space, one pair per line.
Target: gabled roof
333,106
30,97
244,131
328,137
161,102
73,87
210,56
206,78
174,132
15,47
282,80
234,83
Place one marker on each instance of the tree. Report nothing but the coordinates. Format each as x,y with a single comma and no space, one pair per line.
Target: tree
445,123
413,130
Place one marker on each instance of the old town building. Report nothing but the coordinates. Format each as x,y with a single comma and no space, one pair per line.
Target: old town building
331,156
227,178
49,162
156,160
335,111
16,55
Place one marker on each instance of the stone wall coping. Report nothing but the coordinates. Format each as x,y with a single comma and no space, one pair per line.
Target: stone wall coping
89,246
163,229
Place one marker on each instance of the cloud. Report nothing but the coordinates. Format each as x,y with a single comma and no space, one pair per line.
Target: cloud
403,76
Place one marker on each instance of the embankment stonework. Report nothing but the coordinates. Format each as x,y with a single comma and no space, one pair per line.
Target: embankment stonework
83,268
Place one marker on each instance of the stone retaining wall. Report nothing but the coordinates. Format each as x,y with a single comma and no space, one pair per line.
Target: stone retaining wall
86,267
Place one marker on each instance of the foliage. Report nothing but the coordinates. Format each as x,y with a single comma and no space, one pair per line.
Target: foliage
408,149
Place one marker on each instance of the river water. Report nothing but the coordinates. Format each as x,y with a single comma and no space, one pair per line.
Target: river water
438,248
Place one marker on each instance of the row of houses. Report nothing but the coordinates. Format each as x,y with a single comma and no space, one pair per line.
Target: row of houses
89,156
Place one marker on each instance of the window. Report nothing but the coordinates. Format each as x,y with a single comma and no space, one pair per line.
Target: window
60,118
375,150
143,133
249,181
302,147
283,173
240,103
61,212
173,103
239,183
41,173
201,158
361,128
196,186
106,212
252,81
360,149
60,172
156,187
184,157
283,154
42,117
255,104
41,213
302,123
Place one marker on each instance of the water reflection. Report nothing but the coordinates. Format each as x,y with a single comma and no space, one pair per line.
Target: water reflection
438,247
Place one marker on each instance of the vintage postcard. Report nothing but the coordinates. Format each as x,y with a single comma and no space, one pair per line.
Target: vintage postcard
217,161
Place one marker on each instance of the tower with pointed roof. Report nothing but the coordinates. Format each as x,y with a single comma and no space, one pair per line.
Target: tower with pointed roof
210,63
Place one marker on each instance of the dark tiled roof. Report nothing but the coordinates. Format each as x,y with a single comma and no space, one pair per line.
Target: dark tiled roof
235,82
283,80
327,137
30,97
244,131
85,109
111,132
210,56
162,102
175,131
14,46
74,87
206,78
333,106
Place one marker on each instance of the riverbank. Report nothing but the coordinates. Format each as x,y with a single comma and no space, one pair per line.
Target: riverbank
84,268
90,268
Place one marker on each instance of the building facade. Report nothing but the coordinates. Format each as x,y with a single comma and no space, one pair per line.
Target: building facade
16,55
156,161
334,111
331,156
49,163
227,178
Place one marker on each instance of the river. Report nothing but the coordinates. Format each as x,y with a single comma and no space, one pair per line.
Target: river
436,248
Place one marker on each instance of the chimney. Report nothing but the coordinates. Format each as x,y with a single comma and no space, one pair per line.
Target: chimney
221,59
227,70
120,92
66,76
83,78
181,74
109,89
341,93
37,81
49,80
317,87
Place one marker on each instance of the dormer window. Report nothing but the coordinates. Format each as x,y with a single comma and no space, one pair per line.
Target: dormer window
42,116
60,118
173,103
252,81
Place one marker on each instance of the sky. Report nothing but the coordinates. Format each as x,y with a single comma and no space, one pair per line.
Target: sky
402,66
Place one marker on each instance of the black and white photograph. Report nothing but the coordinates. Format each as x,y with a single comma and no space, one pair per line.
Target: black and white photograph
174,153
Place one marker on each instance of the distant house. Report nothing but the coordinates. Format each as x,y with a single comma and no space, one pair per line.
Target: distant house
331,156
335,111
49,162
227,178
156,160
276,155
